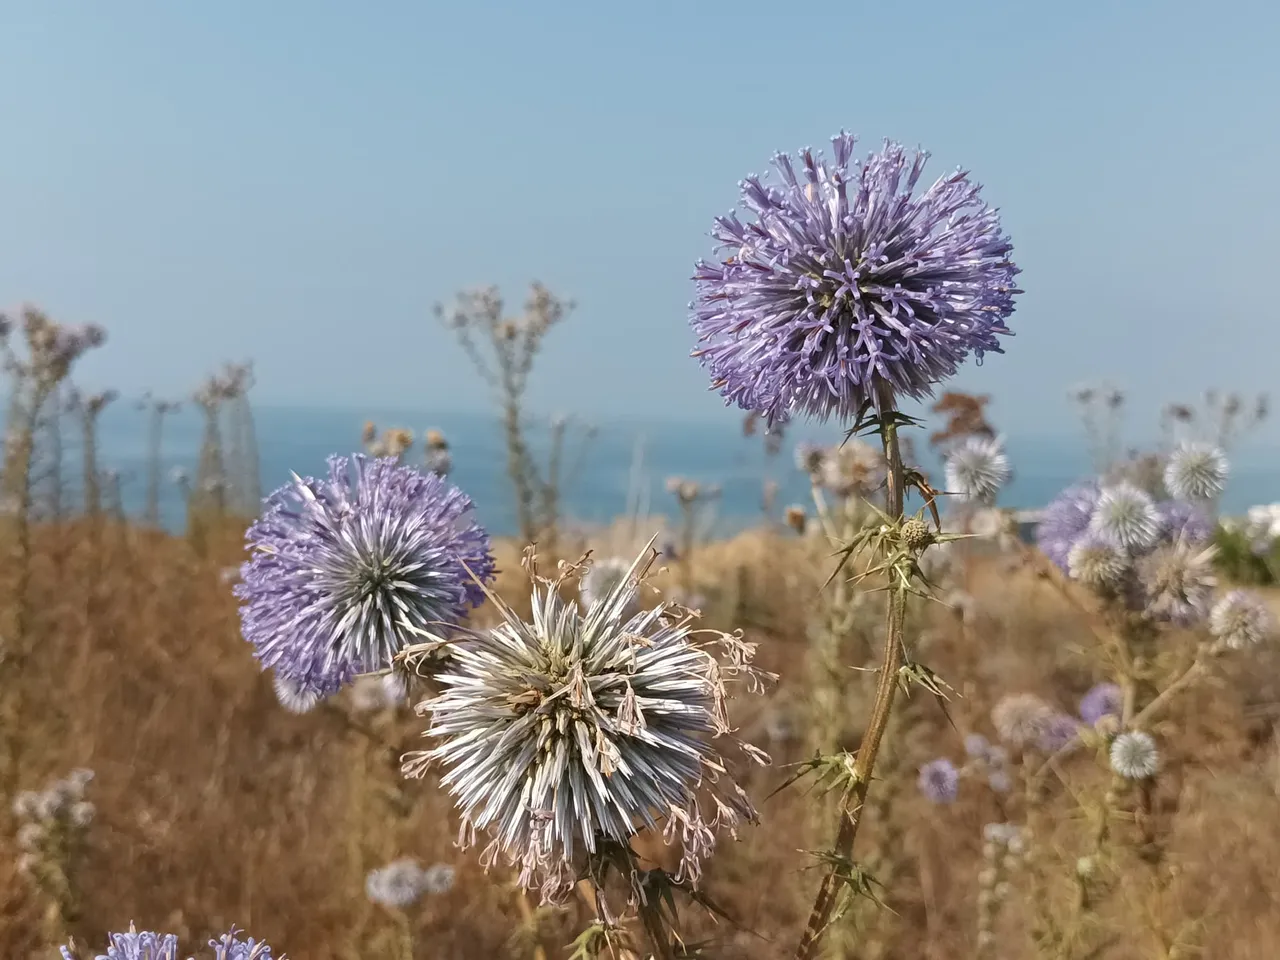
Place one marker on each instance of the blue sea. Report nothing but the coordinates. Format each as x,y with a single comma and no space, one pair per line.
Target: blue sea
633,455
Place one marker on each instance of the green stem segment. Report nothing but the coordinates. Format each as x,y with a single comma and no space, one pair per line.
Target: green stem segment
853,801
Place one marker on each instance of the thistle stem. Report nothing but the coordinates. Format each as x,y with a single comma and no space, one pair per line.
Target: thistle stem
853,802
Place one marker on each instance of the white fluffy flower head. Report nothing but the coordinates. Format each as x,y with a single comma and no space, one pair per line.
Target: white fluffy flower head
1097,563
1240,620
564,736
1196,471
1125,516
1134,755
977,468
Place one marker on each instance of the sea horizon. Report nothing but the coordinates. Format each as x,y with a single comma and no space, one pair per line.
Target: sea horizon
625,466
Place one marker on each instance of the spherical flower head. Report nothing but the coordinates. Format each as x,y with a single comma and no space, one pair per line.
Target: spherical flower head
1000,781
230,947
26,805
1102,700
1058,731
1019,718
852,469
1181,520
346,570
1063,522
1126,517
842,281
1240,620
1196,471
1097,563
438,878
579,729
939,781
372,694
1134,755
31,836
294,698
396,885
976,746
601,579
810,457
977,468
1177,582
81,814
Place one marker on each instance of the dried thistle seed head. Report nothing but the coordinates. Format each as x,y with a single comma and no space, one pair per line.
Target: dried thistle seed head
1020,718
796,518
81,814
916,534
977,468
1240,620
574,731
26,805
346,570
1134,755
1177,582
1103,699
1196,471
438,878
810,458
939,781
31,835
369,433
852,469
1097,563
396,885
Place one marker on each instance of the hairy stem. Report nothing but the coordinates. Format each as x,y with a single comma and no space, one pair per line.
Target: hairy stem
853,802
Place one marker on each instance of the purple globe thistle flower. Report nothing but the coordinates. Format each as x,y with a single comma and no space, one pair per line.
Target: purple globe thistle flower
1063,522
977,468
1125,516
1177,582
346,569
1058,731
939,781
579,729
1180,520
844,280
1196,471
1102,700
976,746
1240,620
164,946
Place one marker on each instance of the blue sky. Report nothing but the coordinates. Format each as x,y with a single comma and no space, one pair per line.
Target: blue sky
298,182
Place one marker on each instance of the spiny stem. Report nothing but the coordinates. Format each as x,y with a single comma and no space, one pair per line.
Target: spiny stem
852,803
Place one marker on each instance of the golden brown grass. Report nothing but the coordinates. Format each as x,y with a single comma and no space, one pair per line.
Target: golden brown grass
216,806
